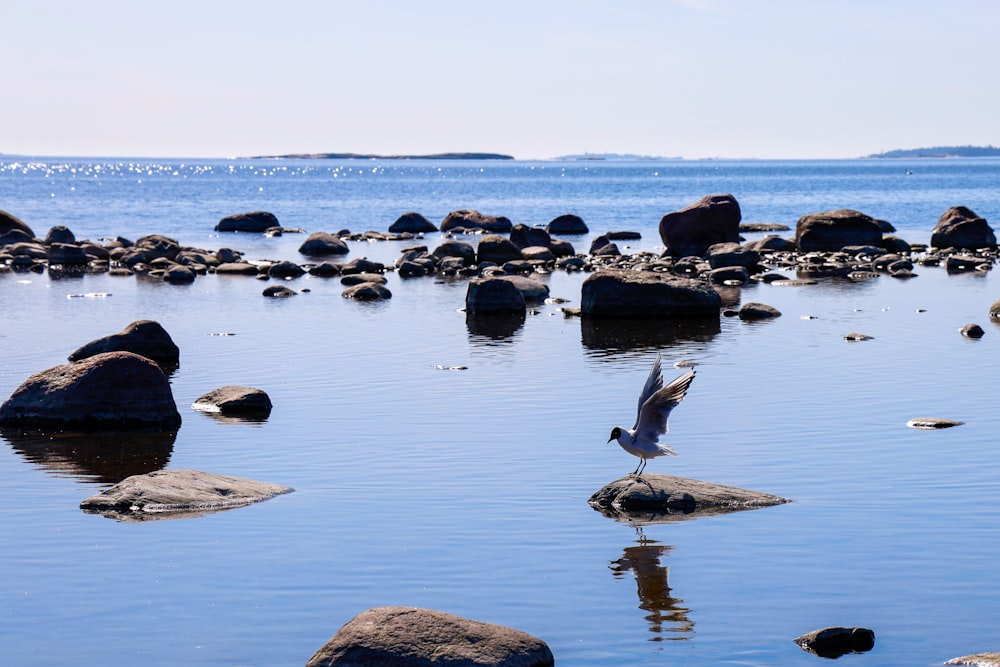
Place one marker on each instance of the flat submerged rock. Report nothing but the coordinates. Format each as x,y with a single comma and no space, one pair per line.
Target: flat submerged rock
656,498
175,494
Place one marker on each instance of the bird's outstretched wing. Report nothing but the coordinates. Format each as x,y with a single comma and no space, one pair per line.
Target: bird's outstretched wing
653,384
654,412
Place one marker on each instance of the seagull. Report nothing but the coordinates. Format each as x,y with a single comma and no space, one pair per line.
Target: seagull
655,404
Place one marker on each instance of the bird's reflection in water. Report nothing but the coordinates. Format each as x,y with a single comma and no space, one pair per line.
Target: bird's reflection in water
667,618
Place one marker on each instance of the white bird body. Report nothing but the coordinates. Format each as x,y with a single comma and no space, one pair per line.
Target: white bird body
655,404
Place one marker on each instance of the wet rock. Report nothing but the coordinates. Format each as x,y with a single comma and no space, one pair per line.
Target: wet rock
174,494
710,220
833,230
67,254
460,249
414,637
960,227
961,263
279,292
323,244
732,254
237,269
156,246
178,274
977,660
647,294
623,235
729,275
561,248
758,311
490,296
536,253
146,338
228,255
286,270
469,219
836,641
892,243
533,291
932,423
367,291
254,221
668,494
752,227
12,236
235,400
412,223
109,390
10,222
567,224
29,249
972,331
358,278
362,265
497,249
523,237
59,234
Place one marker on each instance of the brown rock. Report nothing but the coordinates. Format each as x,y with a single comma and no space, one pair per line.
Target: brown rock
710,220
146,338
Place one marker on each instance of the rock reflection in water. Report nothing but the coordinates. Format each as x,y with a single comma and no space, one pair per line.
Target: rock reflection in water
102,456
667,618
494,327
625,334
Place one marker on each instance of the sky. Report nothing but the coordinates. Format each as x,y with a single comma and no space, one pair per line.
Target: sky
534,79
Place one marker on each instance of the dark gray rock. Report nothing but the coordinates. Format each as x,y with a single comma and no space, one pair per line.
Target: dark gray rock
729,275
110,390
537,253
732,254
362,265
67,254
59,234
659,498
414,637
285,270
758,311
367,291
178,274
254,221
358,278
835,642
533,291
325,270
486,296
561,248
623,235
322,244
960,227
523,236
146,338
155,246
237,269
279,292
468,219
412,223
228,255
833,230
176,494
647,294
460,249
235,400
10,222
710,220
497,249
567,224
895,244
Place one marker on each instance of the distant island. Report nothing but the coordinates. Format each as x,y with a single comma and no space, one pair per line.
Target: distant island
367,156
942,151
619,157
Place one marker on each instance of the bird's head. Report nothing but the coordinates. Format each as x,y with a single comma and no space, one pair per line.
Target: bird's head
615,434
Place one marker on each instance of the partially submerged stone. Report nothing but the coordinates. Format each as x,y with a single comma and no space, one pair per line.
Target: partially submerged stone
174,494
654,498
932,423
647,294
836,641
235,400
147,338
414,637
990,659
110,390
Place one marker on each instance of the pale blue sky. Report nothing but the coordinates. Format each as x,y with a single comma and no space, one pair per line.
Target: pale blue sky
534,78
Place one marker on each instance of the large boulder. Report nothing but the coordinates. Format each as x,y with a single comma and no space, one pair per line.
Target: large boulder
413,223
322,244
458,249
10,222
647,294
67,254
175,494
467,219
59,234
567,224
146,338
497,249
155,246
833,230
254,221
959,227
533,291
524,236
491,296
414,637
111,390
710,220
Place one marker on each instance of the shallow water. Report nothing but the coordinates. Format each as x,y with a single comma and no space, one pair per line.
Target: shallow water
465,490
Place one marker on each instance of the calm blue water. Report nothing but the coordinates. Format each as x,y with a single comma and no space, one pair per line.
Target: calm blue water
466,491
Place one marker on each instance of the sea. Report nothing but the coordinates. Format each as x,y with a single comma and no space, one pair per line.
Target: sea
439,465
